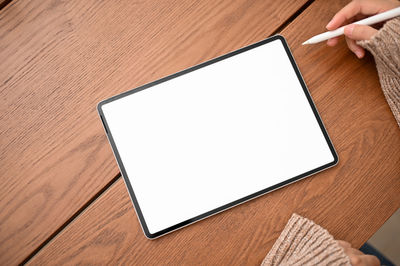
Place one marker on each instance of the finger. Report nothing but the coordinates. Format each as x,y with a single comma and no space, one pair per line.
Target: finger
358,9
355,260
343,243
333,41
359,32
370,260
345,14
358,50
353,252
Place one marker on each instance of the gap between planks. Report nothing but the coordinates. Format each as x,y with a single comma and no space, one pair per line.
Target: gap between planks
72,218
292,17
4,3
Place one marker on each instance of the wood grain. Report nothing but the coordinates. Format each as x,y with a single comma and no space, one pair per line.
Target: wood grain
351,200
58,59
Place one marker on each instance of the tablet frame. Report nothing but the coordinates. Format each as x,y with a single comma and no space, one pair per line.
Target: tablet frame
243,199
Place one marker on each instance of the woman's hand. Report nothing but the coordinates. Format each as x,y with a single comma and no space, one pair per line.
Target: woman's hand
354,11
357,258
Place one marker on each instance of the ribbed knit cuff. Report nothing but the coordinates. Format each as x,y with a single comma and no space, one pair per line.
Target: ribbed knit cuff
385,47
303,242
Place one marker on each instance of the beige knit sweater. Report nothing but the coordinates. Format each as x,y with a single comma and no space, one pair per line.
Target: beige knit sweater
385,46
303,242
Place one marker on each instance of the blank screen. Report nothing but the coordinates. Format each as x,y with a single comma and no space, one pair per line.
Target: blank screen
212,136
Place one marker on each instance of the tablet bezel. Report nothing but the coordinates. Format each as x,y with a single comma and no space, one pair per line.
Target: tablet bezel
241,200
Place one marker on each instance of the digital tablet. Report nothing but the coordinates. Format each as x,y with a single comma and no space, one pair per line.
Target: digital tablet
215,135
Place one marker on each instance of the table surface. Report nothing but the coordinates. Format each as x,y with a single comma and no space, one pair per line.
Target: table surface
62,199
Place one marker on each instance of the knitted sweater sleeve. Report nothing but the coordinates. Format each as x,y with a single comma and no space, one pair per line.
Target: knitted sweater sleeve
385,47
302,242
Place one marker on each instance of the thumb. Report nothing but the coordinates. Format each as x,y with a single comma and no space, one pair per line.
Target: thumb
359,32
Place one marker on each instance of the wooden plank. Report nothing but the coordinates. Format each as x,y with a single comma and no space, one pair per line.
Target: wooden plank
59,58
351,200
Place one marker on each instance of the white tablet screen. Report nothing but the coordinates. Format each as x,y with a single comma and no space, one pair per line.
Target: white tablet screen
207,138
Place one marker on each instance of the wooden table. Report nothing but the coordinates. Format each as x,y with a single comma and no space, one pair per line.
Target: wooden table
62,199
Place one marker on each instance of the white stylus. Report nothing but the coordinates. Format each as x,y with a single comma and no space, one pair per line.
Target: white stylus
368,21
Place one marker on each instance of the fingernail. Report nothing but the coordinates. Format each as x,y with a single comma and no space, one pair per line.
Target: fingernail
328,25
328,41
359,54
348,30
